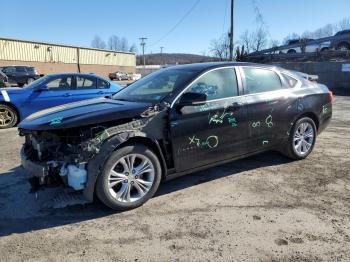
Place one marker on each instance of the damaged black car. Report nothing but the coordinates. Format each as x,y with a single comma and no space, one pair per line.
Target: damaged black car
173,122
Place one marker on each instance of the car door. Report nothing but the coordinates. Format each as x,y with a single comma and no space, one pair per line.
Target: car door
88,87
53,92
212,131
269,105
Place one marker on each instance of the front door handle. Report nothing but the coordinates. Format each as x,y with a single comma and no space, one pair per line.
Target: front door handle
235,106
67,94
100,93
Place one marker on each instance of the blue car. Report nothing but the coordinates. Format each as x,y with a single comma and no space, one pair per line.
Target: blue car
49,91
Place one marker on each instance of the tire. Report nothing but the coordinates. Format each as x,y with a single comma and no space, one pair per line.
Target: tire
325,49
291,148
8,116
343,46
116,181
291,51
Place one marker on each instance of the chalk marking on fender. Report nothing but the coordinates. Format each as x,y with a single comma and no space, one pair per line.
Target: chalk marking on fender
5,95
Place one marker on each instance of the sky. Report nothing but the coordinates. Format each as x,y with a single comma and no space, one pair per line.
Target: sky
76,22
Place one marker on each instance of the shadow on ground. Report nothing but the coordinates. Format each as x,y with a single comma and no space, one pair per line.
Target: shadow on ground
21,211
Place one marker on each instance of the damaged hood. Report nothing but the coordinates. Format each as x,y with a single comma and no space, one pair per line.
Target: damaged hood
92,111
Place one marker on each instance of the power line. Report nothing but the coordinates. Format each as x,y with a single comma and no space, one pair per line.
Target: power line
178,23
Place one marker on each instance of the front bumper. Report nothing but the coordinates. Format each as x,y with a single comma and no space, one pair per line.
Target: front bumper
35,169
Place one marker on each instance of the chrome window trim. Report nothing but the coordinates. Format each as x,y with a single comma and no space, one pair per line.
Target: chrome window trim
238,78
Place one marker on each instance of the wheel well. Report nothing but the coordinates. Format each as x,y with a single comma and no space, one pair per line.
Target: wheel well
152,145
343,43
313,117
14,108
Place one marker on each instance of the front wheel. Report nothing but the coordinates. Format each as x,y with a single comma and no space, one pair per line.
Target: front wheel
301,140
8,117
130,177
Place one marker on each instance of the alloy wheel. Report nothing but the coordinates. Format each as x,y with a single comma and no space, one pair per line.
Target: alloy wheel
303,138
131,178
6,117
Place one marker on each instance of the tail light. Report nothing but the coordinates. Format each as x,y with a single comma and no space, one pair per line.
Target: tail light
331,97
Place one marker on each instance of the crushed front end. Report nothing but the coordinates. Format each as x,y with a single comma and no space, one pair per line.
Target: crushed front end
56,156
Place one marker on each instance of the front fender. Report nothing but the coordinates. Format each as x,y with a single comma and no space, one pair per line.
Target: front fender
95,165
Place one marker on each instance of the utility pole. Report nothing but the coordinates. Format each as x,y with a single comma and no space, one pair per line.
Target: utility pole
143,43
231,31
161,55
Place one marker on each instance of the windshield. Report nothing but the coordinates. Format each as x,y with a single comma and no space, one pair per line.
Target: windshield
156,86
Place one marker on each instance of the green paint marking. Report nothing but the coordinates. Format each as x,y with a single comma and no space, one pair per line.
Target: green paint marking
56,121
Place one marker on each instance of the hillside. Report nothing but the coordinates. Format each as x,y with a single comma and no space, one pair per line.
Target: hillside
173,58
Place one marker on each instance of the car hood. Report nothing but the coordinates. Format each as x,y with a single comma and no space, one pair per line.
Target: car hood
92,111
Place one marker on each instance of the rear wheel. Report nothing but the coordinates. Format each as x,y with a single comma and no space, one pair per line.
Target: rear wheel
8,116
130,177
291,51
301,139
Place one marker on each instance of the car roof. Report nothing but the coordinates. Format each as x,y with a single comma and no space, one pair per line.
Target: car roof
343,32
16,66
73,74
212,65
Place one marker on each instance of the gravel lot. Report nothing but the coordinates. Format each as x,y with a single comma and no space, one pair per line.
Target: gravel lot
265,208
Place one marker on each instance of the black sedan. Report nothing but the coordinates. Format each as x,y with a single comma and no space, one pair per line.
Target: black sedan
173,122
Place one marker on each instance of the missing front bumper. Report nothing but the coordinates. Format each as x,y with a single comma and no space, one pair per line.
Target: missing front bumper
35,169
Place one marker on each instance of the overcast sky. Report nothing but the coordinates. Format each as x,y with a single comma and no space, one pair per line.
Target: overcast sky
77,22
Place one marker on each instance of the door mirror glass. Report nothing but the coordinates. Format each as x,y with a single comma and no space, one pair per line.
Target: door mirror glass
192,98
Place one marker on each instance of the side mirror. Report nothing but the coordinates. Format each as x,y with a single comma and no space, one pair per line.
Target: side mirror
192,99
42,88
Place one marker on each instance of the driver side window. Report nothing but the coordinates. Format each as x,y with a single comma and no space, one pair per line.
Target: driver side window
221,83
60,83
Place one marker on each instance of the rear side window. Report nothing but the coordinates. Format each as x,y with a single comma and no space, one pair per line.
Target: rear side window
86,83
291,81
260,80
102,84
221,83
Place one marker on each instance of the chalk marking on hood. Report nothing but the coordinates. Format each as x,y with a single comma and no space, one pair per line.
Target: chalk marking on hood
5,95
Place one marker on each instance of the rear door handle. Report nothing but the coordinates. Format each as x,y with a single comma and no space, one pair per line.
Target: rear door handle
100,93
67,94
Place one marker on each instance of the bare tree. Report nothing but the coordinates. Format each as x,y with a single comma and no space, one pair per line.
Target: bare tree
97,42
259,39
114,43
124,46
133,48
246,40
343,24
220,48
289,37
